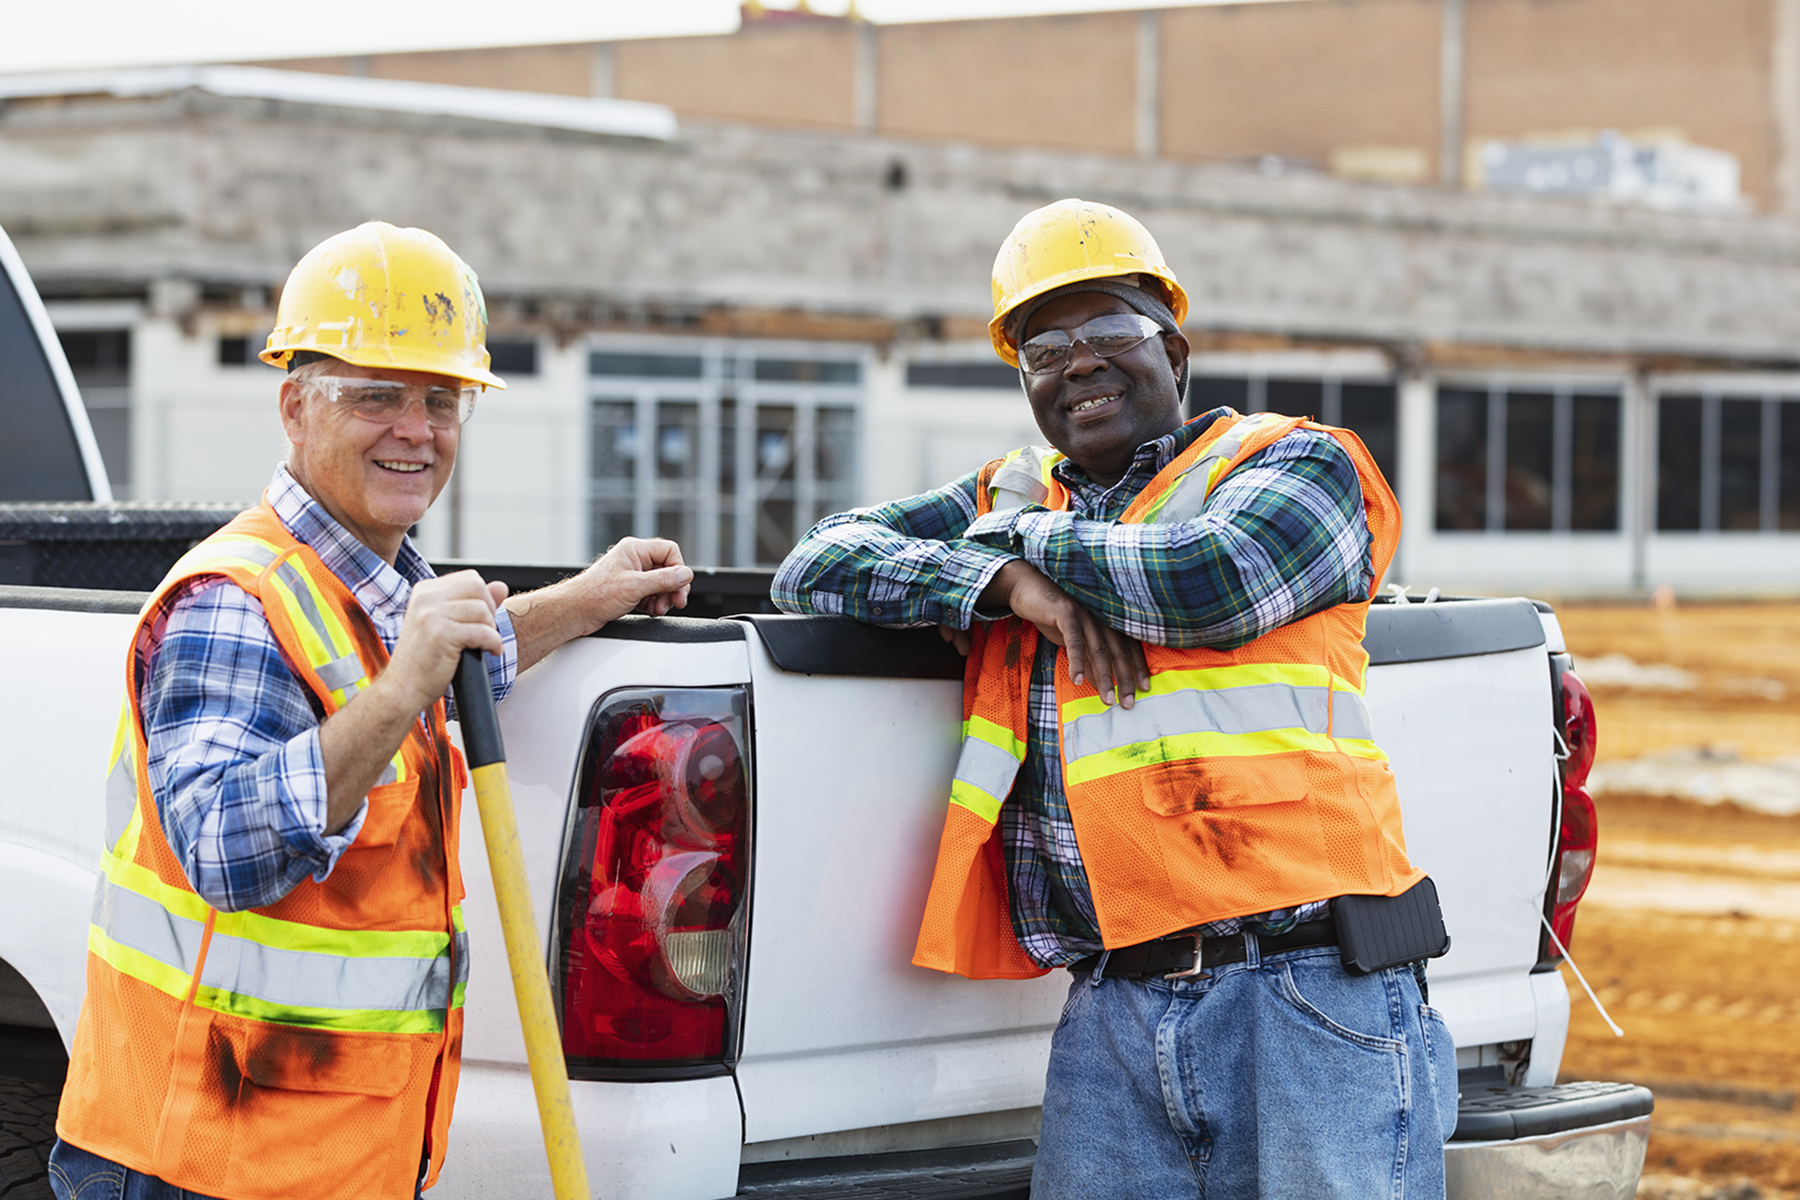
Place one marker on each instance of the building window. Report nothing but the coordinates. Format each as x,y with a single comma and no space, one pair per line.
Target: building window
732,454
236,351
1368,408
987,375
1527,459
513,356
1727,463
100,360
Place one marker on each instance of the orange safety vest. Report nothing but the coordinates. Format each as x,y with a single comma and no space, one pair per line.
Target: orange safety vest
1242,781
309,1048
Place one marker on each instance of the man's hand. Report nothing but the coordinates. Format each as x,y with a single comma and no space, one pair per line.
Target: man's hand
638,574
444,617
1097,652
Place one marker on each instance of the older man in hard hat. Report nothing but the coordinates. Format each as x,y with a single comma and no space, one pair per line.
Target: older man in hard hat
1168,784
275,968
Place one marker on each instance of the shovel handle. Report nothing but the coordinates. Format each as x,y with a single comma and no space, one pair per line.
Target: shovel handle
512,892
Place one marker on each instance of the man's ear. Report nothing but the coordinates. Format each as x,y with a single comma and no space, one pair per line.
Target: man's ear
1176,346
292,403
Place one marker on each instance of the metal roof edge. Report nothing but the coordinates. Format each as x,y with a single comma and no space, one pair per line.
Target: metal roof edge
615,118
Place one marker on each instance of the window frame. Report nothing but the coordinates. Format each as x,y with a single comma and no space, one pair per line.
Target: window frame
728,372
1770,391
1563,389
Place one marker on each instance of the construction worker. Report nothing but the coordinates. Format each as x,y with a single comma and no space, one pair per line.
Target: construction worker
1168,781
277,956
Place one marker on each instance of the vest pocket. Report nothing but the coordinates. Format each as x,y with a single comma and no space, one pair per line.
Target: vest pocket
308,1060
1202,784
389,806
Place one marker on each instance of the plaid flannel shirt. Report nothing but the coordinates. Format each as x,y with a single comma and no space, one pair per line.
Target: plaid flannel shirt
233,737
1281,538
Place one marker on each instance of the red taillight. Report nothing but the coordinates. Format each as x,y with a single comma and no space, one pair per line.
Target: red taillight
651,908
1579,730
1578,836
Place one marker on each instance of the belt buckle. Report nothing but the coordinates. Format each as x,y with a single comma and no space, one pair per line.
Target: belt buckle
1198,970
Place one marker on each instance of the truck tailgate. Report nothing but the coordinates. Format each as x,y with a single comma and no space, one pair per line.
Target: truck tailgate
841,1031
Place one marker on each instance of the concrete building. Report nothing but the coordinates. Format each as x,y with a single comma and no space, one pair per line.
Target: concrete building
753,290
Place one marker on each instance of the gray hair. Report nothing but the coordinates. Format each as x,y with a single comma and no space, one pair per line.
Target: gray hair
305,374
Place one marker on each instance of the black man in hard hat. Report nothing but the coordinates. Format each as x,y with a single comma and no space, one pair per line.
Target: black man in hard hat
276,962
1168,783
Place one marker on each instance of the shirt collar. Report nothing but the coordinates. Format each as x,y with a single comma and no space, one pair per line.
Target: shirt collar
1149,458
375,584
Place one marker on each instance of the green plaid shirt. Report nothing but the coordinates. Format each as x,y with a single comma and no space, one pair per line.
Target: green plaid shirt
1281,538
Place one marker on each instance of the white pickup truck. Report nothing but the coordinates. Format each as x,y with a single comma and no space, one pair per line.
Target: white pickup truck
730,825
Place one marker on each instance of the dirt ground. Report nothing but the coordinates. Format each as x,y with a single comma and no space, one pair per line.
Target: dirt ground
1691,930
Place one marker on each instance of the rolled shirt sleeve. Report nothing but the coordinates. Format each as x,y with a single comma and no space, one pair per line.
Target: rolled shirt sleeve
233,753
1282,537
900,564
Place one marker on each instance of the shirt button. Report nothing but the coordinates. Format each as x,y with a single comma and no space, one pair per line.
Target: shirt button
876,610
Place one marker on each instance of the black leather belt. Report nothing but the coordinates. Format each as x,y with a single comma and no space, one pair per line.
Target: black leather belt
1172,957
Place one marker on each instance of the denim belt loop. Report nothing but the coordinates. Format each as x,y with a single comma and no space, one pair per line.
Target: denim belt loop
1252,949
1099,969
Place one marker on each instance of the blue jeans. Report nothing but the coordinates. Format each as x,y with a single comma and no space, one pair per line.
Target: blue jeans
1280,1077
76,1174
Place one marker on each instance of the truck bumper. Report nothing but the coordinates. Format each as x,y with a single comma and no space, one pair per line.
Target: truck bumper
1581,1141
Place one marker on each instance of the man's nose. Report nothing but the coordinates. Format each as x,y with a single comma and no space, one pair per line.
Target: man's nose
412,426
1083,360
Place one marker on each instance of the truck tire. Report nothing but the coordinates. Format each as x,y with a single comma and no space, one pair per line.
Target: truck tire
27,1131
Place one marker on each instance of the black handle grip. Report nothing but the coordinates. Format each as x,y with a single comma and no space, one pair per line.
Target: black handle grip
475,709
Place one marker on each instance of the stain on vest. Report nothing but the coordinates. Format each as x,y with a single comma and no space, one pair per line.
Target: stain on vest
223,1073
428,858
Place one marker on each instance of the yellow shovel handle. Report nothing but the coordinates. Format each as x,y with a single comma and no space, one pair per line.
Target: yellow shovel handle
512,892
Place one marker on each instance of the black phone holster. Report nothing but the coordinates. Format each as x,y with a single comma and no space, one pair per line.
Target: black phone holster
1378,932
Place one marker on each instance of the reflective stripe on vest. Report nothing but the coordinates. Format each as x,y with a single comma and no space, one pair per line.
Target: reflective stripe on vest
330,650
274,970
1187,497
986,768
1024,477
1217,712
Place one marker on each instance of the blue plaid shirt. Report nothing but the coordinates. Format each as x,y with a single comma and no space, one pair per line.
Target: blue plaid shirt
1281,538
233,736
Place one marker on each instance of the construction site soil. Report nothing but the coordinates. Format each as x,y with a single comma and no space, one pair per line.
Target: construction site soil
1690,932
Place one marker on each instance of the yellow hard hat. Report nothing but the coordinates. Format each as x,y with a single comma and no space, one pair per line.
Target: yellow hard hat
381,296
1068,242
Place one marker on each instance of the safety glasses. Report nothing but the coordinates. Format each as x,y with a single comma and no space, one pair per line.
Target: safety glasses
385,401
1107,336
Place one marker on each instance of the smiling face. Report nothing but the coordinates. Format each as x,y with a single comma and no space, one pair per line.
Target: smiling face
1098,411
375,480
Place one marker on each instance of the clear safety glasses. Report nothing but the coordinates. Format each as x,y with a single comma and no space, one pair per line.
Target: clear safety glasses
1113,334
385,401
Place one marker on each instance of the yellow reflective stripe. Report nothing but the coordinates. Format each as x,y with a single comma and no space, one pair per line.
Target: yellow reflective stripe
975,800
121,778
322,635
237,550
1178,747
995,734
172,981
134,877
1361,748
270,931
1163,683
342,943
365,1020
456,919
127,848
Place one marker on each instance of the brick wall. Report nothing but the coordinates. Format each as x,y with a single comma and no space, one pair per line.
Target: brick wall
1301,80
1701,67
792,75
1063,82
